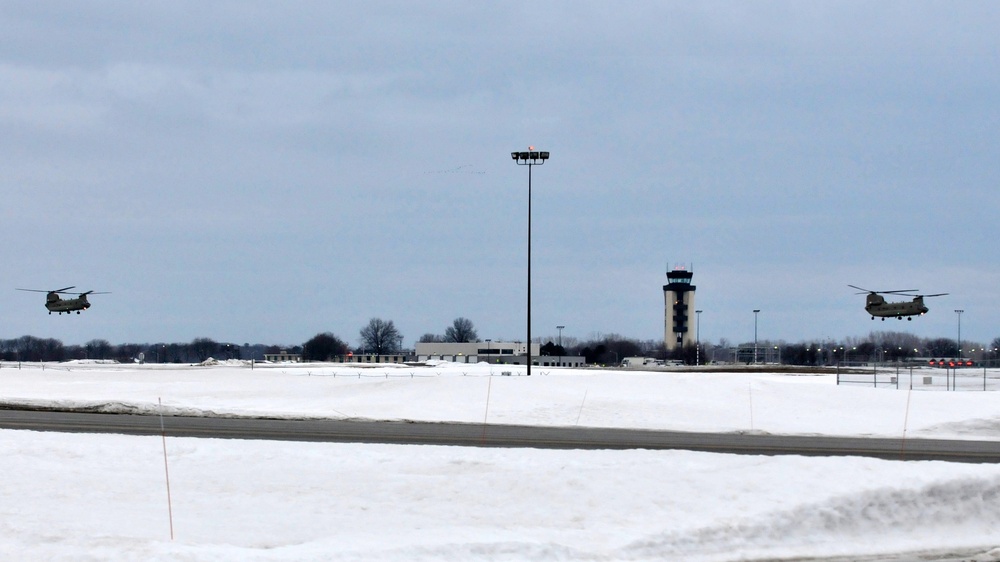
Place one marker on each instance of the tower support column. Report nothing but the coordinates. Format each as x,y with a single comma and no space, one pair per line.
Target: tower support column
678,314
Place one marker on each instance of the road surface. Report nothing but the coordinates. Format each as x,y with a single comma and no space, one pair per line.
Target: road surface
497,435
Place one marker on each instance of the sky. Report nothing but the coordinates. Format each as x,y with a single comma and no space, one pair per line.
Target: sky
100,497
261,173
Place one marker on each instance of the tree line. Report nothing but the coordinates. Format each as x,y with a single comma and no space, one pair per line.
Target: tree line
30,348
378,337
381,337
877,347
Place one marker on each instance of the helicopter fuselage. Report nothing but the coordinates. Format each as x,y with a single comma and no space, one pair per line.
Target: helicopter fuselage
56,304
876,305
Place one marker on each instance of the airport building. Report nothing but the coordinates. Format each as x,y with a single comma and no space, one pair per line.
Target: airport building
494,352
678,314
283,357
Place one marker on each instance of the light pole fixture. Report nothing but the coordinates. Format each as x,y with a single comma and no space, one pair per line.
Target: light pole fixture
560,328
959,312
755,312
697,340
530,158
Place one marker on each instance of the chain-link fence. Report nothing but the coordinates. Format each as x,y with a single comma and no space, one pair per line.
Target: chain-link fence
919,377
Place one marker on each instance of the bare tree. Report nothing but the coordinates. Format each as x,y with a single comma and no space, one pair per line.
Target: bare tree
380,337
203,348
941,347
128,352
994,349
323,347
461,331
98,349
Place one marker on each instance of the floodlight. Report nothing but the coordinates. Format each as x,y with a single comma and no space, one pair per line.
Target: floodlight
529,159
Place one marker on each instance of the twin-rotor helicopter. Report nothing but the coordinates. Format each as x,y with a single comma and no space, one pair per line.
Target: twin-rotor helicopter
876,305
57,304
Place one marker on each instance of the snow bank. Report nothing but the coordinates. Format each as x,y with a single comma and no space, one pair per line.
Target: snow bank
97,497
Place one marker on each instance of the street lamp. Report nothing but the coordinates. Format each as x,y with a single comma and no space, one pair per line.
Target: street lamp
697,340
959,312
529,159
755,312
560,328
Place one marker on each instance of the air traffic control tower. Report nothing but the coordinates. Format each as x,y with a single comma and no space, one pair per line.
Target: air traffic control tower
678,315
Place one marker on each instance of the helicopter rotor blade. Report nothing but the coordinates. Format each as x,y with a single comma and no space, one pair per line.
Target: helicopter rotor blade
866,291
63,290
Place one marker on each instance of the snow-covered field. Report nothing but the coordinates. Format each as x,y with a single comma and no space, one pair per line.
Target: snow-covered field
100,497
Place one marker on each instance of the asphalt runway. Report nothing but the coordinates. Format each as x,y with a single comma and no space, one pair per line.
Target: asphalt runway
498,435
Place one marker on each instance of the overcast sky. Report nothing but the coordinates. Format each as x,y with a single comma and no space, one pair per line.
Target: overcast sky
260,172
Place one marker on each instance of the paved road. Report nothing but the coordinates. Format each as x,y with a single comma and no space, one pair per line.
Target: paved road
463,434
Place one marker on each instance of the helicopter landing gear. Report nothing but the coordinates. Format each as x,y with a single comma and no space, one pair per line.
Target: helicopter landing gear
909,318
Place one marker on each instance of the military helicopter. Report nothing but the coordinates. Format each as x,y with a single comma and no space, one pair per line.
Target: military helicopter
876,305
56,304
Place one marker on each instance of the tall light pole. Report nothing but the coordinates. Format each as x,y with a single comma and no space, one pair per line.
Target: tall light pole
560,328
697,340
529,159
755,312
959,312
